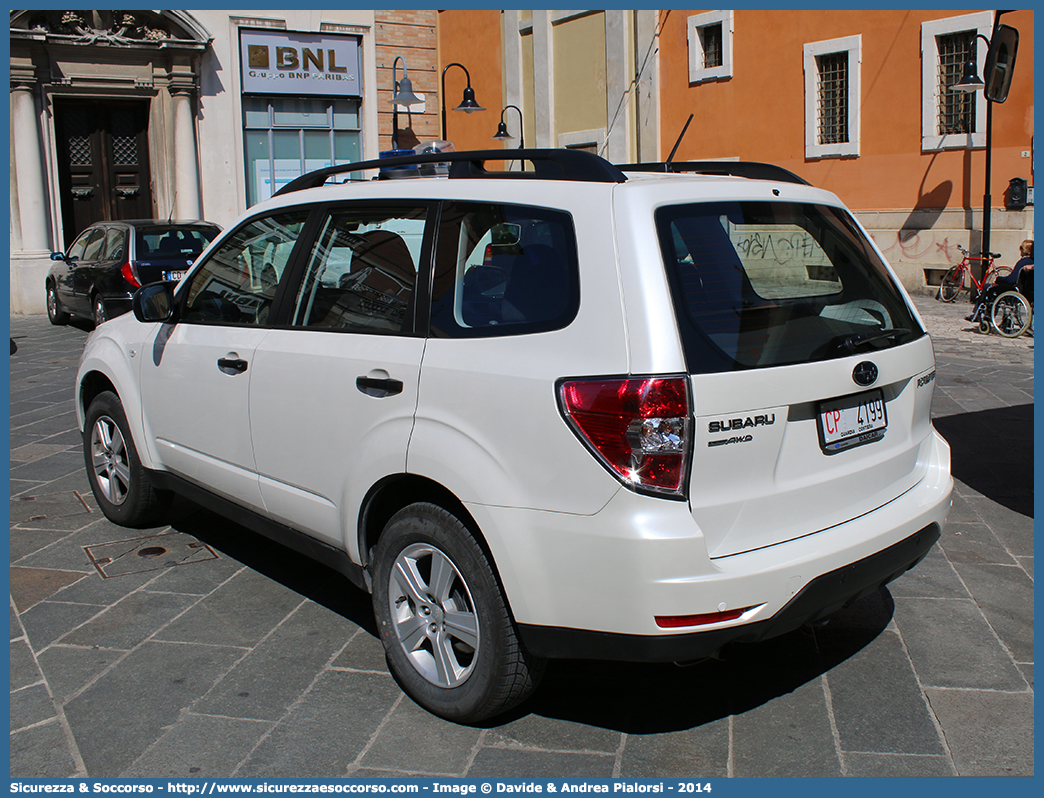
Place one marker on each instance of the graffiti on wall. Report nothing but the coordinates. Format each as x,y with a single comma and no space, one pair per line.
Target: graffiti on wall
918,245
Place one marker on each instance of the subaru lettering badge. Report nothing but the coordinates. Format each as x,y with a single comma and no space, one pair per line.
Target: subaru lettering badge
865,373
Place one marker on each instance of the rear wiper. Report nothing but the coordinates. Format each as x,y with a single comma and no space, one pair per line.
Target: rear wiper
852,341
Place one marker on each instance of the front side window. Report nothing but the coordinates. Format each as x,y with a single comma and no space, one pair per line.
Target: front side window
80,244
503,270
237,283
759,284
362,273
95,245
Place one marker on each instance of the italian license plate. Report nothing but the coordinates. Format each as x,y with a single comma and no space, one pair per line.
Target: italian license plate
174,275
851,421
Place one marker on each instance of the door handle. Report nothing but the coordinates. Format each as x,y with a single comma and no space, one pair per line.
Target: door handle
377,387
232,365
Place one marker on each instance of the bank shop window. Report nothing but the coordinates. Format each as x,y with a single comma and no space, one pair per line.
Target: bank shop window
289,136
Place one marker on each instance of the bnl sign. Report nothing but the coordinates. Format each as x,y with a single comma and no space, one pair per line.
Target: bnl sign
281,62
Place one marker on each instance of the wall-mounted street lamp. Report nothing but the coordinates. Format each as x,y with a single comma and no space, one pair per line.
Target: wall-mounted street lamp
502,131
467,105
403,95
1000,64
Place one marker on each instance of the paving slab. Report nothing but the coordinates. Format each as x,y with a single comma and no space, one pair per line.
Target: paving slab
970,720
124,711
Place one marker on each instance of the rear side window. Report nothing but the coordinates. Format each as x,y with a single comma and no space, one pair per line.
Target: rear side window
503,270
115,244
758,284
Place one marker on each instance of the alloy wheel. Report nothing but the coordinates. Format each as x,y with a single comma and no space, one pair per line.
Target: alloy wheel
433,615
110,460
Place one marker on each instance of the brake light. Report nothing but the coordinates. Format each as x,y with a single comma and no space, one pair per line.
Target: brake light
130,275
638,428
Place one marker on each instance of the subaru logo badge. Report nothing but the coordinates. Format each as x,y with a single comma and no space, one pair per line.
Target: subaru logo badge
865,373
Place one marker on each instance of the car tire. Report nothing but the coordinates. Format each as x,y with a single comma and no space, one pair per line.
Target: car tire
98,310
448,636
120,483
55,314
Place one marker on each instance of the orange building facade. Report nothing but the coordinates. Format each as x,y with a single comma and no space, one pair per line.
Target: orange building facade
853,101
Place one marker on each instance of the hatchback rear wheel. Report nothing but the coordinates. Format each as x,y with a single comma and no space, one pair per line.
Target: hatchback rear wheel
100,314
447,633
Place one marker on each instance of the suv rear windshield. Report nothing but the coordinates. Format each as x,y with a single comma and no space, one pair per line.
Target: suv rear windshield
759,284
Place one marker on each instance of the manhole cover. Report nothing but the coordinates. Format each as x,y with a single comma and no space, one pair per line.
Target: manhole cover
152,553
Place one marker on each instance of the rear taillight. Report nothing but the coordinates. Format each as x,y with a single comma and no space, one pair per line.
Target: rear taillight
637,427
130,275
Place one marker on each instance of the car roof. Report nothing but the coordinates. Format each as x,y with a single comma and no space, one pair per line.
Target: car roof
556,175
135,223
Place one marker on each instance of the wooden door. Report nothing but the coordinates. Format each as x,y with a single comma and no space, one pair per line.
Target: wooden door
103,162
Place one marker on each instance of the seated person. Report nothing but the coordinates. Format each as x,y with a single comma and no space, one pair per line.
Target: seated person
1007,282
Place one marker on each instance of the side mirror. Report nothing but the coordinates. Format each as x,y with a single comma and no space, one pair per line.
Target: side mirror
57,256
1000,62
153,302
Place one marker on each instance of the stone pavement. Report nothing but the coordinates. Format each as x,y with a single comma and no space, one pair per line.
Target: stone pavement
246,660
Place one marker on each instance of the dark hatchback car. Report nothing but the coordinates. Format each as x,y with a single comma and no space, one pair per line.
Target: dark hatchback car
109,261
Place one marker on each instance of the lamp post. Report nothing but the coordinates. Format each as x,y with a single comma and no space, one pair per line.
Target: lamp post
1000,65
402,92
502,131
467,105
969,83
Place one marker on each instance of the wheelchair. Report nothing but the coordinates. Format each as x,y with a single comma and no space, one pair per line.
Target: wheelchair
1006,308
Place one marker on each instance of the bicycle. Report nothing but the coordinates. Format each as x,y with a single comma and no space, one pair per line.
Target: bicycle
953,281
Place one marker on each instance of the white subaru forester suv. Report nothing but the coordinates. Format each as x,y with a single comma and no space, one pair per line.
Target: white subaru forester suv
580,411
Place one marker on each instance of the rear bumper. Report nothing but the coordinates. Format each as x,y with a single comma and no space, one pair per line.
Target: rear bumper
821,597
595,585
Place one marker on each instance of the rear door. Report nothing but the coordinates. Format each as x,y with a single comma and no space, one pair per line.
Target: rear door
811,376
196,375
334,388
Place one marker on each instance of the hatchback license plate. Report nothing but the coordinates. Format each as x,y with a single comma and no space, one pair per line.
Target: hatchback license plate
851,421
174,275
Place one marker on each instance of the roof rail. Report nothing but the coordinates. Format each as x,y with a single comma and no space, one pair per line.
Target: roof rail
548,164
749,169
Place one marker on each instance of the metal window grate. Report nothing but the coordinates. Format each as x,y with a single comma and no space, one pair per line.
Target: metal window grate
956,108
78,135
124,140
711,42
832,98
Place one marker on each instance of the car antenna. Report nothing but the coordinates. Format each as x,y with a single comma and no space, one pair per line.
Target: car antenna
680,137
174,199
